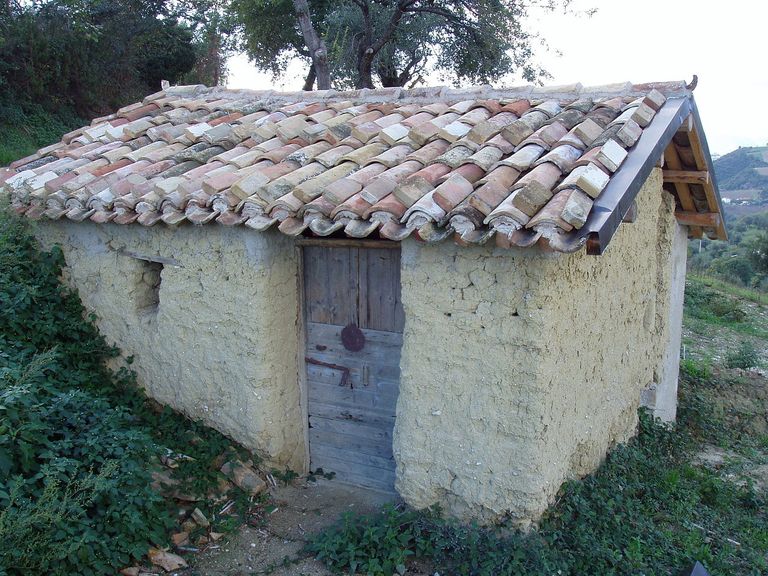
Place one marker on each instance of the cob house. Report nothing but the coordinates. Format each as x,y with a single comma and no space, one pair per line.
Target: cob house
461,295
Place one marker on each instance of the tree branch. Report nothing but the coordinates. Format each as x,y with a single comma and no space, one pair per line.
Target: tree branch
309,81
314,43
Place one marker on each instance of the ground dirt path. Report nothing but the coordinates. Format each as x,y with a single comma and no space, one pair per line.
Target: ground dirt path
302,509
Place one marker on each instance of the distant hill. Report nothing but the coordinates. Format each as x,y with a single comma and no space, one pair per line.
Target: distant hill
745,170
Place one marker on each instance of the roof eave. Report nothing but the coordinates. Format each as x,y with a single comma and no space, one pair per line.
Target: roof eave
616,199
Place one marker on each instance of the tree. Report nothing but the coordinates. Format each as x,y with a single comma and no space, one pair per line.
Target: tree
90,55
393,42
315,45
271,35
758,253
214,37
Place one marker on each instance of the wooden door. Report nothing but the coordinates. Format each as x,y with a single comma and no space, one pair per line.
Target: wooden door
354,330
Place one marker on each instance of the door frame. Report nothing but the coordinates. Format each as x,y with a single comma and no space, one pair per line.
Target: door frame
302,319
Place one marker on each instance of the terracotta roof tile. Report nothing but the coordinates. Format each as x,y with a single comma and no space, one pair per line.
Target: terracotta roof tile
523,163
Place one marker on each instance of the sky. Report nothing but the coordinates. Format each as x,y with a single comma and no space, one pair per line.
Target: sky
649,41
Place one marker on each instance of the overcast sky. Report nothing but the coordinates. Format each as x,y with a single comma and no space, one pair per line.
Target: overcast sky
725,44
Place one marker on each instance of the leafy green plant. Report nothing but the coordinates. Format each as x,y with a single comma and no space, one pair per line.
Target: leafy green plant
284,476
314,475
698,370
28,528
745,356
78,441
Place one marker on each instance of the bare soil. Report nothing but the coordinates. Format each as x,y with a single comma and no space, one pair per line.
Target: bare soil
300,509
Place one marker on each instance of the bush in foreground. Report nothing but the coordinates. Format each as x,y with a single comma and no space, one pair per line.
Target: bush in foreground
78,442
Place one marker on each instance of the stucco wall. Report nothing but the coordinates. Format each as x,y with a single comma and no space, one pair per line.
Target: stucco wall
520,368
221,343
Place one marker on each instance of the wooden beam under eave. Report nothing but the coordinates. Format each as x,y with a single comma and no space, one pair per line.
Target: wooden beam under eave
702,164
702,219
347,243
672,159
686,176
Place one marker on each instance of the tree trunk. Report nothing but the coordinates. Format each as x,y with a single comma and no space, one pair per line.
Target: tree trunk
365,69
309,82
315,45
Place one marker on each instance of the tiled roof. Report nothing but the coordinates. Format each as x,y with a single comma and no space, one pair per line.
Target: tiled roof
521,165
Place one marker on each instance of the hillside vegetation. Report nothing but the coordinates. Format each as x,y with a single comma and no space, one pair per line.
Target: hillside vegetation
86,459
737,170
743,260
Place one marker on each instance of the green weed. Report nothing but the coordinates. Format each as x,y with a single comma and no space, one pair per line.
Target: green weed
745,356
79,442
645,511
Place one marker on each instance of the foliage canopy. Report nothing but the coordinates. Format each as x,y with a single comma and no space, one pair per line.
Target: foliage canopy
92,56
396,42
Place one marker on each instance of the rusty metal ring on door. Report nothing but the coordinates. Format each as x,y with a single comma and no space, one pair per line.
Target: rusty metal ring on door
352,338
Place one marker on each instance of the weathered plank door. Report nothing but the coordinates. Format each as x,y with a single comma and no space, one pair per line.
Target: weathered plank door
354,330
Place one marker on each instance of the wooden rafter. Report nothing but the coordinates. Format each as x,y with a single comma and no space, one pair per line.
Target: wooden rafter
686,176
702,219
672,159
709,189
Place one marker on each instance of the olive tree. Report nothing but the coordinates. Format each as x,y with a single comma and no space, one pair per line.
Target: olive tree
365,43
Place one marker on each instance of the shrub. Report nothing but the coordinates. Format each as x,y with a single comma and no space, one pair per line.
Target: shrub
78,442
744,357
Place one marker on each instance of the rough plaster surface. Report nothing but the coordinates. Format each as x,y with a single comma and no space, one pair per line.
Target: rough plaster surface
221,344
521,369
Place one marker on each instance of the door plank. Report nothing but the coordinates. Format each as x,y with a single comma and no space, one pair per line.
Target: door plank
377,379
357,474
372,431
352,395
355,413
353,457
381,308
356,444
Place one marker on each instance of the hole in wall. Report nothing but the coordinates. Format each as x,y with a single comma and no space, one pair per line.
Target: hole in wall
148,286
